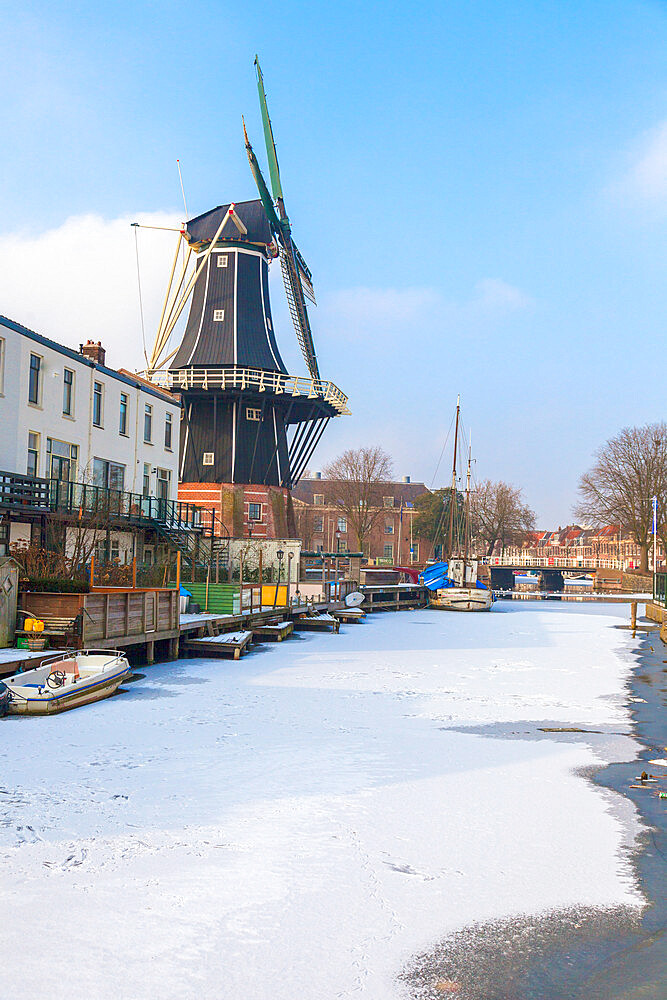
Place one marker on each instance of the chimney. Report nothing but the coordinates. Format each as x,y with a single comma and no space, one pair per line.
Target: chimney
318,475
406,479
93,351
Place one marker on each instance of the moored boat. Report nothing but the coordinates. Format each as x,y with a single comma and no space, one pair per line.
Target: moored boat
66,681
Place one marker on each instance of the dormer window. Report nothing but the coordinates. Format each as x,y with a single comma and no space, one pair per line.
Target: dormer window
218,315
222,260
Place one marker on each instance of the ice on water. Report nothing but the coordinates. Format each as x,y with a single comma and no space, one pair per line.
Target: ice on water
300,822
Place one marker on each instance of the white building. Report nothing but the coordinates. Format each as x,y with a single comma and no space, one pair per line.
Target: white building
65,416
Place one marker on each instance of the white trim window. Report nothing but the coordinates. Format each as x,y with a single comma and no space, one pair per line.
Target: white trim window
168,430
122,416
33,454
222,260
35,380
68,392
342,525
253,414
148,423
318,499
254,512
218,315
98,404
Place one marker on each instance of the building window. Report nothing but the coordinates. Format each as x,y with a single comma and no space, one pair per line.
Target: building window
61,459
122,422
318,524
208,458
388,501
34,383
251,414
148,423
255,511
218,315
388,551
318,500
163,481
33,454
98,390
68,385
222,260
2,366
167,431
108,475
147,479
388,528
107,551
342,525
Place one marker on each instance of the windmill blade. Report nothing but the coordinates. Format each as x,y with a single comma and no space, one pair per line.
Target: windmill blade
304,274
297,305
264,195
274,172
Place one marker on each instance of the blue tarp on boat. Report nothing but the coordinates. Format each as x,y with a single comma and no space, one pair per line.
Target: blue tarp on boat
435,577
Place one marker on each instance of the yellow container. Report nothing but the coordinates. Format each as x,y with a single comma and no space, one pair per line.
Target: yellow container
37,625
29,624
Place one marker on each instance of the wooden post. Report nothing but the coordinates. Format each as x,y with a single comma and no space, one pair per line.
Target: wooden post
633,614
92,570
261,565
134,573
150,651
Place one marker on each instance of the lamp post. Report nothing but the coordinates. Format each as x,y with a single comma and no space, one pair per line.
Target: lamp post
279,556
290,556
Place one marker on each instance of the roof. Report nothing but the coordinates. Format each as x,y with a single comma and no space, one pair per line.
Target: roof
68,352
405,493
251,213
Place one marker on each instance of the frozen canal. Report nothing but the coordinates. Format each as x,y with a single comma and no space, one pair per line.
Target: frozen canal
303,821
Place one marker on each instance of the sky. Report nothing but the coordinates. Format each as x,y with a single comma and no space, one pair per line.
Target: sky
479,189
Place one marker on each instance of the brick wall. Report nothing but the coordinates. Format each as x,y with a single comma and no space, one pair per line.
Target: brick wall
264,511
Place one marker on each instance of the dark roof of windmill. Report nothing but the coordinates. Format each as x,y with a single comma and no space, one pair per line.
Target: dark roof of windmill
252,215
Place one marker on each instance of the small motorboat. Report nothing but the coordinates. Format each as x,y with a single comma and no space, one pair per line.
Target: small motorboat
66,681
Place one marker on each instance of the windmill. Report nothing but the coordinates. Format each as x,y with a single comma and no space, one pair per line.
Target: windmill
245,418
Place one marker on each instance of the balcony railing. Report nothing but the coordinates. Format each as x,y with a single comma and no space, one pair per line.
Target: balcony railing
250,379
84,500
23,492
88,500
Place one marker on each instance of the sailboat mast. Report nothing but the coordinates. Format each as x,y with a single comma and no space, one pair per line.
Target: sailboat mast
466,541
452,496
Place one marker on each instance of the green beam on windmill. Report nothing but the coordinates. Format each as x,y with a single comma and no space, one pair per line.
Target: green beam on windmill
274,172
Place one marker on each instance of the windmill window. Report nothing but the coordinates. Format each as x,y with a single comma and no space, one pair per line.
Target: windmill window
218,315
255,511
252,414
222,260
208,458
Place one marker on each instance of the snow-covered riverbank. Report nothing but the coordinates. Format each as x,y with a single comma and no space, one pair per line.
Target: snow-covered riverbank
299,823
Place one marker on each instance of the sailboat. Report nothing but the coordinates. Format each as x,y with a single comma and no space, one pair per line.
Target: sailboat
454,584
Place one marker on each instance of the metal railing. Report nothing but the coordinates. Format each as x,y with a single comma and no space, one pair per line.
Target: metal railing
250,379
660,588
85,499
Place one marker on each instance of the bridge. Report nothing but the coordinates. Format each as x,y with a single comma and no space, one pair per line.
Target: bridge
550,569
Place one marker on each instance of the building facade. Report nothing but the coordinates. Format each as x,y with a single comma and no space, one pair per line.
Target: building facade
609,547
323,527
68,419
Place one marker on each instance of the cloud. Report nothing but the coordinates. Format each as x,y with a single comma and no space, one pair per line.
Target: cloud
645,176
394,312
79,280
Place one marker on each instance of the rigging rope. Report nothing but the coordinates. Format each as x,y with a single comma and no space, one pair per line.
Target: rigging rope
141,303
443,451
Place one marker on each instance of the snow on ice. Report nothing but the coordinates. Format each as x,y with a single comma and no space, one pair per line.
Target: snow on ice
299,823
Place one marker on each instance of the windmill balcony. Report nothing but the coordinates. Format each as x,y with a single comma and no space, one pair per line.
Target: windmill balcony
250,379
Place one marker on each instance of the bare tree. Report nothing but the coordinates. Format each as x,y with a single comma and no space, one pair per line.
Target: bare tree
355,484
500,515
630,469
